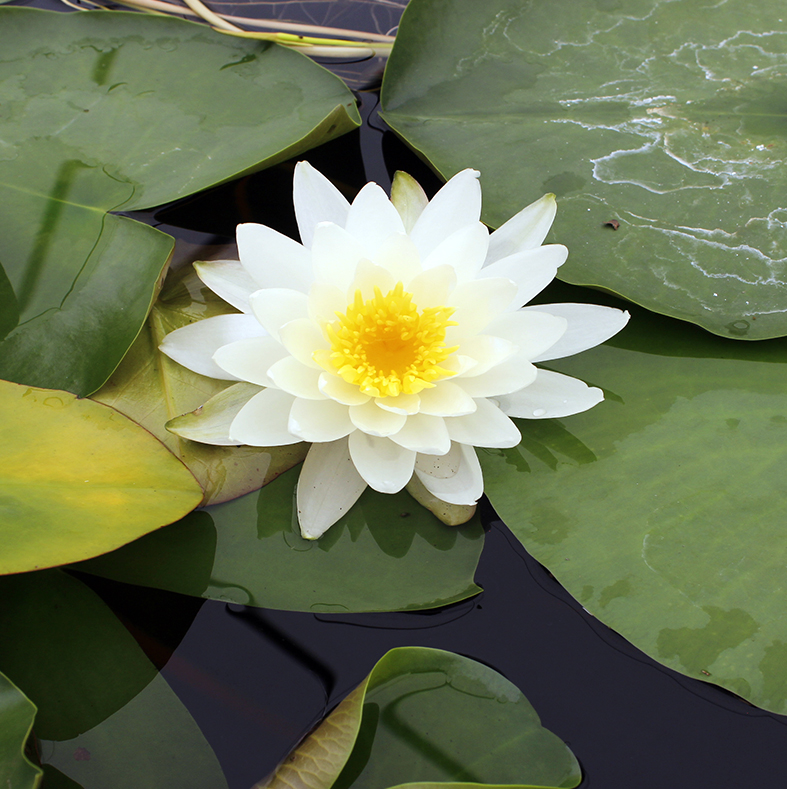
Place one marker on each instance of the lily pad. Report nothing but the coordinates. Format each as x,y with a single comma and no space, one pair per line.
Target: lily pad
665,118
78,479
663,509
425,717
116,111
387,554
106,717
16,720
151,389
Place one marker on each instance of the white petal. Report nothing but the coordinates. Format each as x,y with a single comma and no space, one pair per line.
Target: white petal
250,360
525,230
273,307
319,420
228,280
302,338
510,376
532,270
487,427
424,433
455,477
446,399
551,396
384,465
376,421
486,352
588,326
335,254
272,259
296,378
401,404
324,302
432,288
457,204
464,250
328,486
476,304
531,331
372,218
338,389
367,278
399,255
262,422
193,346
408,198
316,200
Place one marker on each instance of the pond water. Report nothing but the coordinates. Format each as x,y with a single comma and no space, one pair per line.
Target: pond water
629,720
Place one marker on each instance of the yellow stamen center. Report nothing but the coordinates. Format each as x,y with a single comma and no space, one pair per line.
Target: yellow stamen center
387,346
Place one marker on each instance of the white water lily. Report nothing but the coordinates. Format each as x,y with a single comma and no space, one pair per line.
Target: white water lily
393,338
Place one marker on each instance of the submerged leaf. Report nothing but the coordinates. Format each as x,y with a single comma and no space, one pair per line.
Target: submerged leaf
78,479
16,721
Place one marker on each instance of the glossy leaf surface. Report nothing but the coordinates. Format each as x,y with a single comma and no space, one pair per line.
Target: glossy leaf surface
664,117
95,120
663,509
78,479
151,389
386,554
105,715
429,717
16,719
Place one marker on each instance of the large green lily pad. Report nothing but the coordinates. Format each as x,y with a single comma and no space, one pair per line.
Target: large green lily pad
668,118
105,715
78,479
663,510
425,717
16,720
115,111
387,554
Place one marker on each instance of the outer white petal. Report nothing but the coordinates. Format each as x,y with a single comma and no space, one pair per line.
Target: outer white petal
464,250
338,389
399,255
302,337
588,326
384,465
193,346
486,351
335,254
446,399
229,280
316,200
457,204
319,420
376,421
372,218
262,422
272,259
551,396
524,230
328,486
476,304
487,427
531,331
273,307
424,433
510,376
455,477
296,378
250,360
401,404
532,270
408,198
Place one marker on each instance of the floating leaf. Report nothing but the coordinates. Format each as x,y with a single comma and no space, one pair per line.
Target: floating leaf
663,509
667,118
110,111
78,479
106,717
16,720
151,389
386,554
425,717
